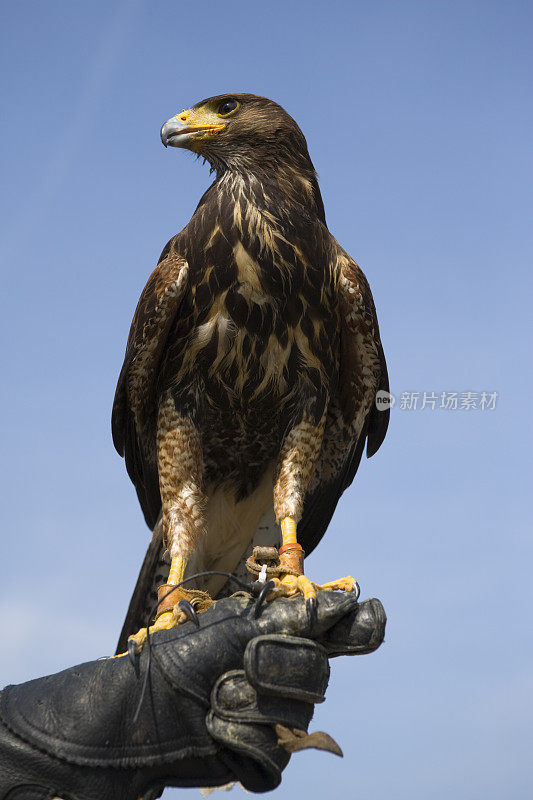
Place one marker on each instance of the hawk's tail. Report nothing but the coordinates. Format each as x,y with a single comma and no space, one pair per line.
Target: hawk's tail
154,572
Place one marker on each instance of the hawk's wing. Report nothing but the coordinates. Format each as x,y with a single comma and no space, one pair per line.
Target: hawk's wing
133,420
353,418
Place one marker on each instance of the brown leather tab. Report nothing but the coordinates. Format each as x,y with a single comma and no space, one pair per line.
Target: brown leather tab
168,598
264,555
292,560
293,739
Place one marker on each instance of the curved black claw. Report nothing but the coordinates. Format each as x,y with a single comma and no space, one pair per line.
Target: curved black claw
261,598
189,612
132,656
357,590
311,606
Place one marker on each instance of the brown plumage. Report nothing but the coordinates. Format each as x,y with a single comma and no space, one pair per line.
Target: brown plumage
254,354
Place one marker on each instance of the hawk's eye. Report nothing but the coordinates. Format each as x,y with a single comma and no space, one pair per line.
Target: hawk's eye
227,106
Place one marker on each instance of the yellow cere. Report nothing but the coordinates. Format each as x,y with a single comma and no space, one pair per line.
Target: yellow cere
203,117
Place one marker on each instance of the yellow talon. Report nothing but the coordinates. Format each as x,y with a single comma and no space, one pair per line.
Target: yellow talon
347,584
180,605
164,622
306,587
291,585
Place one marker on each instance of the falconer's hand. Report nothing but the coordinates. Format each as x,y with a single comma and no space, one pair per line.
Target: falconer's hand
228,700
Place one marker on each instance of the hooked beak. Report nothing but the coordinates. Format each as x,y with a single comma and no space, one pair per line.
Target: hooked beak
176,133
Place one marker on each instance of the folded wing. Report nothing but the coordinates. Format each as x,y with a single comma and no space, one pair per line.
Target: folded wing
133,420
353,418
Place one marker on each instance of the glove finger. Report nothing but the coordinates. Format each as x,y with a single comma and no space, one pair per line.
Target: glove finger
251,751
361,631
289,615
287,666
234,699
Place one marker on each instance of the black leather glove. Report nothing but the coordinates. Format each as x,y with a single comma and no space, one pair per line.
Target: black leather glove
228,701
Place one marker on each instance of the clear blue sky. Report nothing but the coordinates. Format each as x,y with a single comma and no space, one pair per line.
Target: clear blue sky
418,118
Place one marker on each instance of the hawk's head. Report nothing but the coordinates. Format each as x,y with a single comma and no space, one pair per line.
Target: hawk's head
240,132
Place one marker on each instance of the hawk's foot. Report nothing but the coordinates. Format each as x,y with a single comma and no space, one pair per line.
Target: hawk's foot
291,564
285,576
291,585
176,606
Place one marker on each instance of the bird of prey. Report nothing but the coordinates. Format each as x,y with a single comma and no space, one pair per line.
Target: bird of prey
248,388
